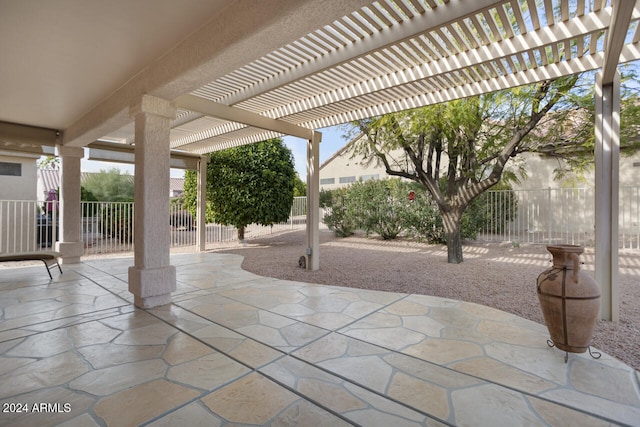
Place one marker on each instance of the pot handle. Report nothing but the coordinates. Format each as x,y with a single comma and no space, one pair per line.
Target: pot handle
576,267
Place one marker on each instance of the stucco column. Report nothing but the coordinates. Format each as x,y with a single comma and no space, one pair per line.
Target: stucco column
607,159
152,279
69,242
201,236
313,202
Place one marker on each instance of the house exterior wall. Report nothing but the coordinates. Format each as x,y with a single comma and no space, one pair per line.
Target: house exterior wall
18,184
540,174
23,186
341,169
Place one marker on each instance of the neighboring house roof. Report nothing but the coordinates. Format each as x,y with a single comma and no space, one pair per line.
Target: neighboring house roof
176,185
341,151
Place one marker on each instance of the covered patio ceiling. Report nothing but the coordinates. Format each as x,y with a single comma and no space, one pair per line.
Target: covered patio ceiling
255,70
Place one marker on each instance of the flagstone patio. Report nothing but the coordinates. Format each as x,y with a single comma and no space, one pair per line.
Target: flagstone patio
238,349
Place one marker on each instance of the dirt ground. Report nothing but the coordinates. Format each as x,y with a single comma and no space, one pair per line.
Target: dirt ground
498,275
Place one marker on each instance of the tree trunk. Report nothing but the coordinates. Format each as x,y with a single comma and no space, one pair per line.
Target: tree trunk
241,233
452,226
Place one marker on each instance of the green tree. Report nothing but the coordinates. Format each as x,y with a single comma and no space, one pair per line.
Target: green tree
299,186
110,185
574,144
189,199
458,150
49,162
251,184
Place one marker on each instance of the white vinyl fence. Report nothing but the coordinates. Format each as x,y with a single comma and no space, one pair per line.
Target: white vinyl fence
526,216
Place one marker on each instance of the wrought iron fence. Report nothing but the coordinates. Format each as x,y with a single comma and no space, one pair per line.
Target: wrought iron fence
527,216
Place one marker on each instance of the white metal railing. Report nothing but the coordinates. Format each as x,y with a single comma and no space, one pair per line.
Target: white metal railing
551,215
541,216
27,225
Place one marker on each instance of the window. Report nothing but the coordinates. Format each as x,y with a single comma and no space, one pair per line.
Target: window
365,178
347,179
11,169
327,181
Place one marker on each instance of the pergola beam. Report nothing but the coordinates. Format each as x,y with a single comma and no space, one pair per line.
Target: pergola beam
607,161
453,11
28,139
579,26
233,114
620,20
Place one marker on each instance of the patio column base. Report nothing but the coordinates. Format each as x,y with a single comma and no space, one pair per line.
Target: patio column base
152,287
71,251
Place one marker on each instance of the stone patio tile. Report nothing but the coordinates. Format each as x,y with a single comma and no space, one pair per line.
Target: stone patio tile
421,395
252,399
397,376
255,400
397,338
219,337
106,381
183,348
142,403
43,345
131,320
620,413
79,319
8,364
104,355
192,415
92,333
443,351
503,374
78,404
155,334
510,333
494,405
264,296
254,354
207,372
329,321
84,420
558,415
340,396
180,318
588,376
240,347
395,359
541,361
304,413
47,372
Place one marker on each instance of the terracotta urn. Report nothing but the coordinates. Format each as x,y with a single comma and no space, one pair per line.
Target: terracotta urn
570,300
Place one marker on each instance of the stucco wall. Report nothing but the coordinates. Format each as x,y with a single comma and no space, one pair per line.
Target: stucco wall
21,187
18,219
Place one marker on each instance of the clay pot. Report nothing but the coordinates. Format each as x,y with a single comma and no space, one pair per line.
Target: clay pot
570,300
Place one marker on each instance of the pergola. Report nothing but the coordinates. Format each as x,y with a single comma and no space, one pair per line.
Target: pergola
160,80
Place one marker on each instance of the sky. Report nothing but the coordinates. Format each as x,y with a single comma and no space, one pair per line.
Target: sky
332,141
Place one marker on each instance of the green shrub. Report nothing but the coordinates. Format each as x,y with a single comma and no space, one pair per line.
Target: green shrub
423,221
339,216
384,207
